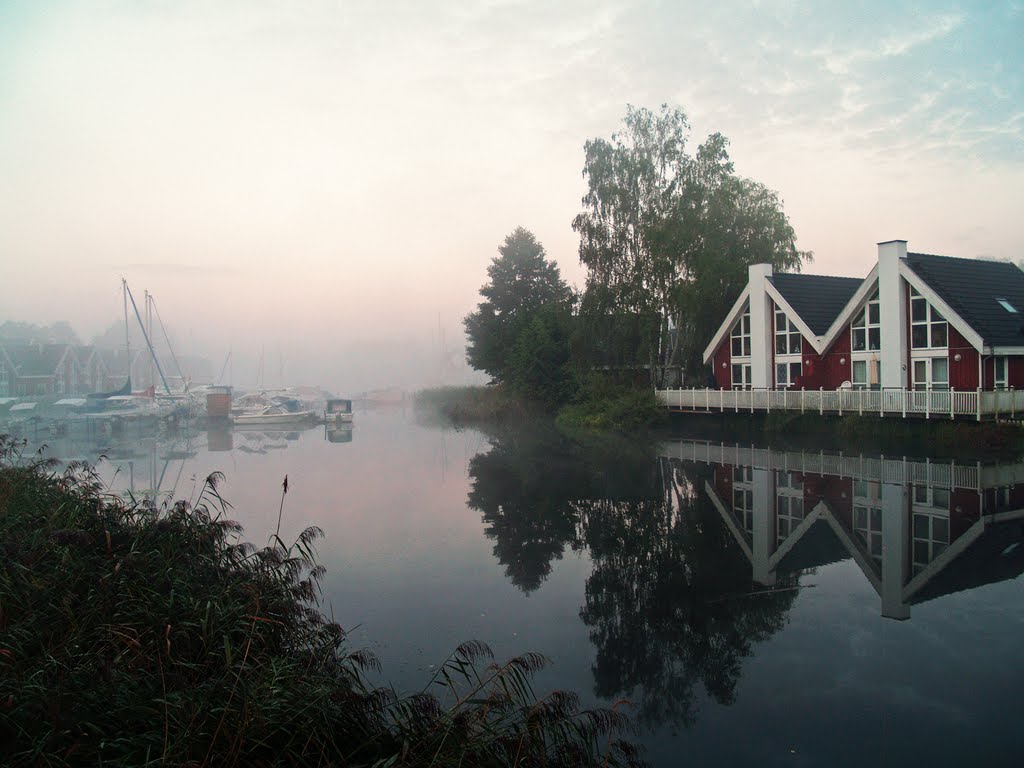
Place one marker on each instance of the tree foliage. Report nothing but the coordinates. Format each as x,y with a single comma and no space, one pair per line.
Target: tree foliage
519,333
670,234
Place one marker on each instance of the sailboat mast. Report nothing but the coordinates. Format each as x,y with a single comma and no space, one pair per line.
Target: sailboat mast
149,330
127,335
146,337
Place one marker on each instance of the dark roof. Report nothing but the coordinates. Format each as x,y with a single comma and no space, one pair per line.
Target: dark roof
971,286
32,360
818,299
997,555
817,547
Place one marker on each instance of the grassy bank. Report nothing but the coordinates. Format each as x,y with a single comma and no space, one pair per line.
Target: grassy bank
474,405
598,407
131,635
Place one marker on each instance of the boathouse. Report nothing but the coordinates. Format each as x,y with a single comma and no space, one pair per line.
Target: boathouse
921,334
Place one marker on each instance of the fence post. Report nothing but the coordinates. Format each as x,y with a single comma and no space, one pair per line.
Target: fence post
707,399
860,402
952,396
721,400
978,393
768,399
821,401
903,401
928,403
803,399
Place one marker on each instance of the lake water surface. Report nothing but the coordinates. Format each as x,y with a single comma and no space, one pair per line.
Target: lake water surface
754,606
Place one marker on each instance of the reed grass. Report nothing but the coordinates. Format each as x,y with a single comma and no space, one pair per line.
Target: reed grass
133,635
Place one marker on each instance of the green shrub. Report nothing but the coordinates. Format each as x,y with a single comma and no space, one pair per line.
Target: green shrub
137,635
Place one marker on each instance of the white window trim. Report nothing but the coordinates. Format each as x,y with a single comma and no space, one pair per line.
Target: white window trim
1005,384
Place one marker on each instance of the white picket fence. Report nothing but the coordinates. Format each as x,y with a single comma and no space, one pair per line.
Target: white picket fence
936,404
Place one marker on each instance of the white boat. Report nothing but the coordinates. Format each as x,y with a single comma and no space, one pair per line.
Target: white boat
272,415
338,411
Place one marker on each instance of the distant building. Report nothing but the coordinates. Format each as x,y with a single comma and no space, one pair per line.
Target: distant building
32,370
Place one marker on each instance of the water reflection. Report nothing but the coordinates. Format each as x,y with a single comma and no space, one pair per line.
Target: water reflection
698,551
916,529
668,603
528,486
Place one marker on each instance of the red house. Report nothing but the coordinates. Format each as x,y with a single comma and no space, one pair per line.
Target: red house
917,322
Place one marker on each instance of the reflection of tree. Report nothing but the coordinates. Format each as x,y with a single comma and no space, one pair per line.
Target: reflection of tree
669,602
525,487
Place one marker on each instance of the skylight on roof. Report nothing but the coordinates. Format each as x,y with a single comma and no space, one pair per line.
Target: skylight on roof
1007,306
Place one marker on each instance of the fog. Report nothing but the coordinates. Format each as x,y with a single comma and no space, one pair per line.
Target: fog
323,184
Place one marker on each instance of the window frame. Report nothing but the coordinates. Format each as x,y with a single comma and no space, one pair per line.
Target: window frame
930,325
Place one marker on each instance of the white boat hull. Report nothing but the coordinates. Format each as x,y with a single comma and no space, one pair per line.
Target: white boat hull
272,419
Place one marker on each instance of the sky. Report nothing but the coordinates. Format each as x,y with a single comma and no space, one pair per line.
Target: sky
326,182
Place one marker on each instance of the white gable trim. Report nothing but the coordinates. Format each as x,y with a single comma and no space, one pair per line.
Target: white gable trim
845,317
727,324
972,336
792,314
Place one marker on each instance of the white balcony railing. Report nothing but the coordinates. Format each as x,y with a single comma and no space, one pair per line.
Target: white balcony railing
937,404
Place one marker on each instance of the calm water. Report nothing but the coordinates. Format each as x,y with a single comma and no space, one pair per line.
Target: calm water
753,605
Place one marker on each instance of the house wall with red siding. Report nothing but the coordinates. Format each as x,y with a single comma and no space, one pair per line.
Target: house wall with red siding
965,509
963,374
1014,373
723,365
837,361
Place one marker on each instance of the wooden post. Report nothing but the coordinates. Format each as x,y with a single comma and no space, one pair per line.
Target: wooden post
952,396
821,401
979,403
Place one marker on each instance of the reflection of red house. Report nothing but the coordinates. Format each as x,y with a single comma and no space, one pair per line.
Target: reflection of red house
914,541
917,321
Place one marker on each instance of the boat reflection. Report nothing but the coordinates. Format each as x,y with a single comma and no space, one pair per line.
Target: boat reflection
916,529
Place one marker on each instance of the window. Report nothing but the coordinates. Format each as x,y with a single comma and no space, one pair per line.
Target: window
789,504
928,329
866,328
931,373
743,507
740,336
867,527
787,337
931,538
787,374
1002,373
741,375
930,496
1007,306
789,515
742,475
866,374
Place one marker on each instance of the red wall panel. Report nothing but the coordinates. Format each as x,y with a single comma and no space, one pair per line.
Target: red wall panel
723,362
963,374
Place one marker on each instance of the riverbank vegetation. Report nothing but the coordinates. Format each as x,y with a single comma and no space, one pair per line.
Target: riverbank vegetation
137,635
666,236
